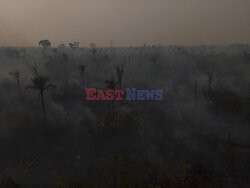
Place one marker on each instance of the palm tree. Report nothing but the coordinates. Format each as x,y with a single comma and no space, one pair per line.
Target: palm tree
119,72
110,84
16,76
81,68
40,83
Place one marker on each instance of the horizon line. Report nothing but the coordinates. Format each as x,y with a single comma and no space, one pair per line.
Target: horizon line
133,46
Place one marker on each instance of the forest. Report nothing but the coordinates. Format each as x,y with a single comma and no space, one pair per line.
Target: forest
197,136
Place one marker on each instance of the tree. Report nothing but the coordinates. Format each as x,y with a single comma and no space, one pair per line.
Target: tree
74,45
45,43
81,68
40,83
16,76
119,72
110,84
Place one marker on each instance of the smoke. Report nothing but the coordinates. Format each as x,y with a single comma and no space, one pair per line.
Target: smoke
8,37
127,23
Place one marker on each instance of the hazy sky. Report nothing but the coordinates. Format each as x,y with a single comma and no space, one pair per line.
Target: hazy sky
126,22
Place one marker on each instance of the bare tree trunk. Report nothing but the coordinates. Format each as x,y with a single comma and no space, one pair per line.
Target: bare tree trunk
43,108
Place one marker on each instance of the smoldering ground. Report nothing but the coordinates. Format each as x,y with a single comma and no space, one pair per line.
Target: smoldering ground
197,136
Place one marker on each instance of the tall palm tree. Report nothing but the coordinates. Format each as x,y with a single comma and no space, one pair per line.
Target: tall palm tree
40,83
110,84
81,68
119,72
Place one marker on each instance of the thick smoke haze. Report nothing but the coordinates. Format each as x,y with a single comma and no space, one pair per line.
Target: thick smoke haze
126,22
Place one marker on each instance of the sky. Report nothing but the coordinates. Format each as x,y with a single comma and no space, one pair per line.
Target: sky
125,22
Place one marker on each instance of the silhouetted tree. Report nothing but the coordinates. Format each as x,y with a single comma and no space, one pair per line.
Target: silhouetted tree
119,72
110,84
40,83
81,68
45,43
74,45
